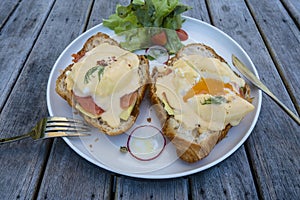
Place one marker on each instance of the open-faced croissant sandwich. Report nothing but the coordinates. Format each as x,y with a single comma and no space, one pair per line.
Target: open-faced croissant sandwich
199,99
105,84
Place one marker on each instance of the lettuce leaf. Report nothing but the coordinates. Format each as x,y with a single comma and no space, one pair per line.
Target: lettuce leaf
121,20
147,13
138,2
163,9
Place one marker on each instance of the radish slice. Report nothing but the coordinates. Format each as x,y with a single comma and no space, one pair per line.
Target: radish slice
146,143
159,53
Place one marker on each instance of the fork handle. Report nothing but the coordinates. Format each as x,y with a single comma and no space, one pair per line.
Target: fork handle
16,138
286,109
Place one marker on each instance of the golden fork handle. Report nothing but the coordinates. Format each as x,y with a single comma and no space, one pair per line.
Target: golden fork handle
286,109
253,79
16,138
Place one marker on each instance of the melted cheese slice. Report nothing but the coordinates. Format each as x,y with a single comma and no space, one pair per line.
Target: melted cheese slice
119,77
201,109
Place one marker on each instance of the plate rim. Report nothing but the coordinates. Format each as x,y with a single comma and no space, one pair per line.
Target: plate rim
159,176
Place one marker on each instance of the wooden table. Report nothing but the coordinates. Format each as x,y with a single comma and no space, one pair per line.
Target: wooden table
33,33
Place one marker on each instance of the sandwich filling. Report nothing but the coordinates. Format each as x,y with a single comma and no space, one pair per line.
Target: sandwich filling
202,93
104,83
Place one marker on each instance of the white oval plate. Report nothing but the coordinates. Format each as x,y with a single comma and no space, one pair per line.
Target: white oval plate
104,151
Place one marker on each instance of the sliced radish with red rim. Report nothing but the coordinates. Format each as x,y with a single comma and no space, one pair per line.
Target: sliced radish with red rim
146,143
159,53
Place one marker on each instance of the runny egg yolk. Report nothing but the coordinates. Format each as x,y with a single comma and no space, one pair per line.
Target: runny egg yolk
207,86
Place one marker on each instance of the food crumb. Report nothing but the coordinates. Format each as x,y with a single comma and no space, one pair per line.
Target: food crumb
149,119
91,146
97,139
123,149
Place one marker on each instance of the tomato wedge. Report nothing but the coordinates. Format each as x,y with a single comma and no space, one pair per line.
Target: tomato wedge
159,38
183,36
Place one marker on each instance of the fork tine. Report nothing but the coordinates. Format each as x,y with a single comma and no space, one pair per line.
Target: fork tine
64,119
67,124
67,129
65,134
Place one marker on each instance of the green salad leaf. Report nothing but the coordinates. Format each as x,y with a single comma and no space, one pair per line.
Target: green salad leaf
122,20
147,14
138,2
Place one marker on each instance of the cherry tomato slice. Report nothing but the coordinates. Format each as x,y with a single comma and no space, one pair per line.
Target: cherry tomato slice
183,36
159,38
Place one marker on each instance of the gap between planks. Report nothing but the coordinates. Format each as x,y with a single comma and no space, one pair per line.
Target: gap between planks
5,20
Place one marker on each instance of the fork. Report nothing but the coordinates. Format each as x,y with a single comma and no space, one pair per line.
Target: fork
253,79
50,127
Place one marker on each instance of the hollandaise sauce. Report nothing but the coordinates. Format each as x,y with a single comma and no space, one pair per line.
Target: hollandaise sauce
202,93
106,75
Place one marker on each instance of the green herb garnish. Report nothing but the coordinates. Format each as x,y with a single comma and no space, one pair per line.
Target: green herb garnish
150,57
91,71
214,100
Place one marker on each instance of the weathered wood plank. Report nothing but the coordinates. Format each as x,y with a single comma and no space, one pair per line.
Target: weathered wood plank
16,40
272,153
230,179
272,17
293,6
130,188
6,9
102,10
21,162
198,11
68,176
24,161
